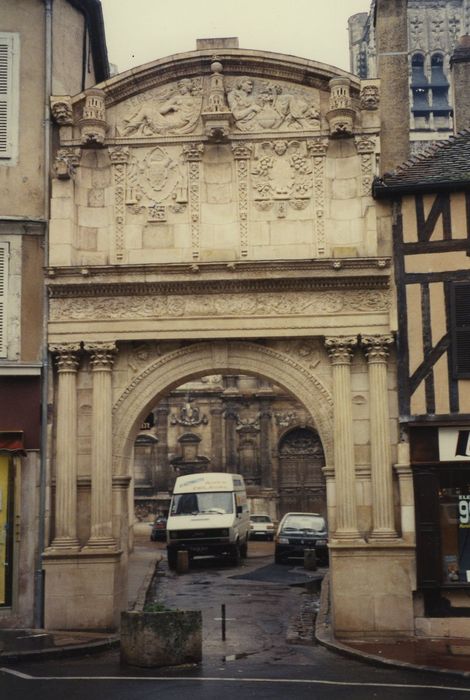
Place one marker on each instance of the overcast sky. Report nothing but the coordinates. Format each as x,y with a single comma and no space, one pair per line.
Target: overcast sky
143,30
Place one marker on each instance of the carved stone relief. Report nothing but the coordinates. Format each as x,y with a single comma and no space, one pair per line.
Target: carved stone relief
416,32
171,110
193,153
119,157
264,105
281,174
242,153
369,97
262,304
189,415
156,181
318,151
61,109
366,147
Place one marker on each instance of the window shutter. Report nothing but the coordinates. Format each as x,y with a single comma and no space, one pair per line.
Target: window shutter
461,329
5,94
3,297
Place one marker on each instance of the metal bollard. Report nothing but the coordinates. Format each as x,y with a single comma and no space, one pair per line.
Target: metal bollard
310,560
182,561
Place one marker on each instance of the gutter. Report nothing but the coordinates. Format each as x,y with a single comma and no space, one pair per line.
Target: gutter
38,573
93,13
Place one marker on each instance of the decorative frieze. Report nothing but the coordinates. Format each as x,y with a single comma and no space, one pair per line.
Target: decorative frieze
224,304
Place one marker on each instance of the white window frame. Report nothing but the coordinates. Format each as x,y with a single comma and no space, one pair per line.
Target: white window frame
9,96
4,260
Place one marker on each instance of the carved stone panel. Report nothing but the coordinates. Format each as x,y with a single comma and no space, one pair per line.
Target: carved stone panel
173,109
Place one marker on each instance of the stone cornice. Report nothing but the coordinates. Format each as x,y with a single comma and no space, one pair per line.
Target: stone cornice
351,273
128,289
260,64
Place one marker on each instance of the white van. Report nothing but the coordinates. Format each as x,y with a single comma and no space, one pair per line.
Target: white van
208,515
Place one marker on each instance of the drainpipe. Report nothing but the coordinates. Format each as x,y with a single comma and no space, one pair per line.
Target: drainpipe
39,580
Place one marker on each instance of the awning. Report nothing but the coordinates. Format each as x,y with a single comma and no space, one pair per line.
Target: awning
11,443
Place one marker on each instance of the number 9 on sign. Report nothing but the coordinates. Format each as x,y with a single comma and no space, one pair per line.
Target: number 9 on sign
464,512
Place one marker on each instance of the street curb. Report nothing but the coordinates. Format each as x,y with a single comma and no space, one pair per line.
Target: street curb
324,636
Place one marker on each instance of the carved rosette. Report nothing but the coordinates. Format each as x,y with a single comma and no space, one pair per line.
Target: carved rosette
192,153
341,349
66,356
242,153
101,355
366,148
318,150
119,157
66,162
377,348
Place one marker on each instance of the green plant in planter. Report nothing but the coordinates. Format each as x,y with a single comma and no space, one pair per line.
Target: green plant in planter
156,607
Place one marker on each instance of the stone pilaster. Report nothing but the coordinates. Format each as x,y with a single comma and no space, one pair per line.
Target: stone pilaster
217,452
341,350
101,531
161,415
405,485
265,446
66,447
376,350
231,455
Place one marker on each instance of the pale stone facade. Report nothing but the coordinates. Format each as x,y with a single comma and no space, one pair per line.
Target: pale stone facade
214,216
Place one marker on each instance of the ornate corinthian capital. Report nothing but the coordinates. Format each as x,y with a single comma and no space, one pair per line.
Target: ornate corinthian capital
66,356
376,347
101,354
340,349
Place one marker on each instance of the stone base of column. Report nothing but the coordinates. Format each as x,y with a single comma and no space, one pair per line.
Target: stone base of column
351,536
69,544
381,535
99,543
82,591
372,590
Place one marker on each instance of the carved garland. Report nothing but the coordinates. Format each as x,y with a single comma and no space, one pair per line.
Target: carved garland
183,353
365,148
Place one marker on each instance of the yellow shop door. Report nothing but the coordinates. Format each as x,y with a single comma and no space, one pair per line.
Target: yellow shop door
5,529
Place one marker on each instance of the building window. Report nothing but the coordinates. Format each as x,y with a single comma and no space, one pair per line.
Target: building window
3,297
9,95
460,321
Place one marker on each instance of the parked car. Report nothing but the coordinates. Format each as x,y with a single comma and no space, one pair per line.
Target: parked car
261,527
158,529
298,532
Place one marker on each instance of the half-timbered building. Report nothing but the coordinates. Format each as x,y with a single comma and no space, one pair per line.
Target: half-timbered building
431,204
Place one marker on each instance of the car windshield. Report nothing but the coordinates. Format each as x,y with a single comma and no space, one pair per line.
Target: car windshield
260,518
304,522
217,503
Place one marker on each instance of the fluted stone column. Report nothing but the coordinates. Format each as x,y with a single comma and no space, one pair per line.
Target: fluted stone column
66,447
376,350
101,532
340,350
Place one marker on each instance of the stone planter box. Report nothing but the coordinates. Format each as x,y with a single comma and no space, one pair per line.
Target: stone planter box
166,638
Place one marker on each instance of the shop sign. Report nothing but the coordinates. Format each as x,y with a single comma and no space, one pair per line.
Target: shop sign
454,444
